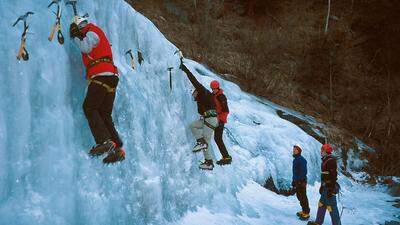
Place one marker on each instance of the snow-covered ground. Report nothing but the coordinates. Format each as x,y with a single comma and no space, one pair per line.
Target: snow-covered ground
258,206
46,176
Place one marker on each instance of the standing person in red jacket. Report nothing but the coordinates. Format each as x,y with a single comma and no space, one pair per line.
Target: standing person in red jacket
221,105
329,188
103,79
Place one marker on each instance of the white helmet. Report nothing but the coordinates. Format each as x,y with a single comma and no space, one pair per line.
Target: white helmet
298,145
80,21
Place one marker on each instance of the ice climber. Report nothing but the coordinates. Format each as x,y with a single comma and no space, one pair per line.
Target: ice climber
203,128
221,106
299,181
102,76
329,188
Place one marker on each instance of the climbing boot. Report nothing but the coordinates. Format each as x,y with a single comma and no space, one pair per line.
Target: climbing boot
207,165
303,216
200,145
225,161
100,149
115,156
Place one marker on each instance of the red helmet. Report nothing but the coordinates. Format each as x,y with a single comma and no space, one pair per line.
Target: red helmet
327,148
214,84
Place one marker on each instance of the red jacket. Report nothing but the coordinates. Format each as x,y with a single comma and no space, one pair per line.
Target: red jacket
103,49
221,105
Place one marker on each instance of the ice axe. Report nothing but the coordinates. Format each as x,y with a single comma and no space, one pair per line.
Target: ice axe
140,57
180,55
53,2
57,25
73,4
22,52
170,77
23,18
129,52
170,68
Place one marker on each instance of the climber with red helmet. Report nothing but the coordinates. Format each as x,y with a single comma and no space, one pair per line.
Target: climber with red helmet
102,76
329,188
221,105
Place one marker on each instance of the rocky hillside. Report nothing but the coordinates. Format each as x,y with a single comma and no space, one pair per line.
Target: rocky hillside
342,69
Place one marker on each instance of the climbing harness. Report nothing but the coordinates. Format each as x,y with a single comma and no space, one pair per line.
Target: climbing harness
106,59
209,114
106,86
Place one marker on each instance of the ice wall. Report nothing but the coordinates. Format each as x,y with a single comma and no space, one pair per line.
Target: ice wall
46,176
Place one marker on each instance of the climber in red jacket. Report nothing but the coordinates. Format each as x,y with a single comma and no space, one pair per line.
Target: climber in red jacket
103,78
221,105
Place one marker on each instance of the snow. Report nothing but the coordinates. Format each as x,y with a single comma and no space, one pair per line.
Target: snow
354,161
259,207
46,176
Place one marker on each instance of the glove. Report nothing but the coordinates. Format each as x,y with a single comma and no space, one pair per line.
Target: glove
75,32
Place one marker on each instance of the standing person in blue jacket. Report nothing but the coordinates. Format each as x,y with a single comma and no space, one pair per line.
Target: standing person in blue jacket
299,182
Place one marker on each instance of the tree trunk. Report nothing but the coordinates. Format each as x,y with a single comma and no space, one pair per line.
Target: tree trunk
327,17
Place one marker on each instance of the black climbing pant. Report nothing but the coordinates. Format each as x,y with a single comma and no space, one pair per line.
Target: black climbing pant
98,106
218,139
301,194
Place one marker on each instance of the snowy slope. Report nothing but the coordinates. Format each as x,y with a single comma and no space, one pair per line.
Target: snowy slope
46,176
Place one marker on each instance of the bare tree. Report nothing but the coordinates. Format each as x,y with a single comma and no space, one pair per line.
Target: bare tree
327,16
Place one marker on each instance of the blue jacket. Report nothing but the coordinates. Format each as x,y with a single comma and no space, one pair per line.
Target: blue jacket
299,168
